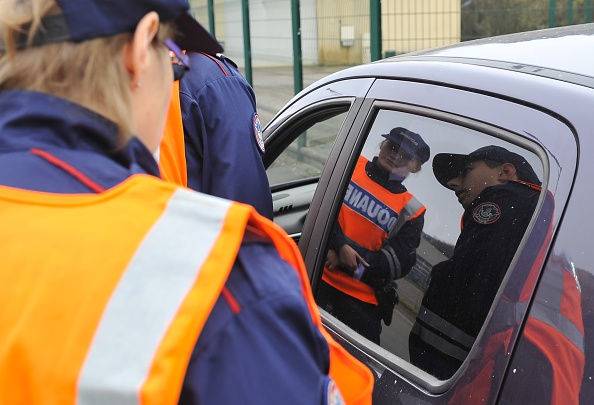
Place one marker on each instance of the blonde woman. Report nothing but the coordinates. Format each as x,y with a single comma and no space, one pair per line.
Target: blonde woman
118,287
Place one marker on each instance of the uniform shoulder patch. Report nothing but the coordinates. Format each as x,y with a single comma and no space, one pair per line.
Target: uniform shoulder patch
333,395
258,132
486,213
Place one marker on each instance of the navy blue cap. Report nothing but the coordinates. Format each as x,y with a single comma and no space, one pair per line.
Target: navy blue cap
82,20
411,142
447,166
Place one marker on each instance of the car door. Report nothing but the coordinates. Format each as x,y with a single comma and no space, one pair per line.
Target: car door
451,121
473,121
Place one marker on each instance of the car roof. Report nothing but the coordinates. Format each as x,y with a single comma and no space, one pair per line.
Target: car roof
567,49
562,53
563,49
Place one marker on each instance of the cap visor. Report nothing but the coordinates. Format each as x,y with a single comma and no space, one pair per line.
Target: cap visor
447,166
412,152
404,146
194,37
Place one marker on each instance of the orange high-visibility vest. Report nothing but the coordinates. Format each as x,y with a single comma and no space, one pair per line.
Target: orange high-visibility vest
555,326
172,151
368,213
103,326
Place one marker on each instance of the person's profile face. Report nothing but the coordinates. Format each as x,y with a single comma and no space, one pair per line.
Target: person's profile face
472,180
394,159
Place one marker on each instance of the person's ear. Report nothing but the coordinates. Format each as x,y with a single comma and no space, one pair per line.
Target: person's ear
507,173
136,52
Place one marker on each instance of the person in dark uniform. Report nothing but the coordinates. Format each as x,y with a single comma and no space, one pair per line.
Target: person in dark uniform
222,134
125,288
499,191
375,239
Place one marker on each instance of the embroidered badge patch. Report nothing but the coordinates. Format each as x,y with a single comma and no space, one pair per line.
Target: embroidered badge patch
486,213
333,396
258,132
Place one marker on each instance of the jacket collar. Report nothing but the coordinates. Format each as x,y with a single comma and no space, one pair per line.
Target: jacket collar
38,120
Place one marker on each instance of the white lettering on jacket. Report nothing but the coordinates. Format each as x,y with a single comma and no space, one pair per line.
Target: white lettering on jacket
368,206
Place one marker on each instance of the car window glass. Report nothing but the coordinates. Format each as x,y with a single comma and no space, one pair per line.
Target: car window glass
369,247
306,156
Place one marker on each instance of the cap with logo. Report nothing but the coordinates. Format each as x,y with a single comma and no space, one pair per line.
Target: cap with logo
447,166
82,20
411,142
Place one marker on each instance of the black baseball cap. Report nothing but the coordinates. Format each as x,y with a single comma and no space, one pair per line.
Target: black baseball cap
82,20
447,166
411,142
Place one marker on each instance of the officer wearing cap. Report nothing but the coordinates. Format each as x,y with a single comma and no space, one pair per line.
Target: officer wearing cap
375,239
213,138
123,288
499,191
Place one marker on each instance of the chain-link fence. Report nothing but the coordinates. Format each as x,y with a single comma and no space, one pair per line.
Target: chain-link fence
283,45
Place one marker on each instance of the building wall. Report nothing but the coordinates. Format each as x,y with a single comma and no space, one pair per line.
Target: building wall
270,29
407,25
412,25
333,32
341,27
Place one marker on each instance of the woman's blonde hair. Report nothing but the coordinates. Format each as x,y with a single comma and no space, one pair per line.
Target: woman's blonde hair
88,73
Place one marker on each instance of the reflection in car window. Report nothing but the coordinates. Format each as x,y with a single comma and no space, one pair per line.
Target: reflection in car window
478,193
306,156
370,247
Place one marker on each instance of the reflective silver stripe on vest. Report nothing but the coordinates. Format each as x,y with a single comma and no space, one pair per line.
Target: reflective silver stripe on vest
392,258
511,313
147,298
547,308
561,323
439,343
443,326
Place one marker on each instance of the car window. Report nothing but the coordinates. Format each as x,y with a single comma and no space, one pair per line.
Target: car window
429,224
299,157
305,156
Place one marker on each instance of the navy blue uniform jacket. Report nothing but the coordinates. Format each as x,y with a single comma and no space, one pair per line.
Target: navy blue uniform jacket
269,352
222,132
463,288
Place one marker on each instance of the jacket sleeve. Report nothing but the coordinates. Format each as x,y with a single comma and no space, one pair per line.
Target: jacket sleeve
265,351
396,257
337,237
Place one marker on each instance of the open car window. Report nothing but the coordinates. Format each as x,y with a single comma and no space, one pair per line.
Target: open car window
298,161
311,141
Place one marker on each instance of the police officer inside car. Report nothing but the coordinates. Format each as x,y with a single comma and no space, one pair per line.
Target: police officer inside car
498,190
